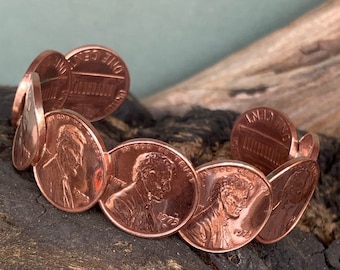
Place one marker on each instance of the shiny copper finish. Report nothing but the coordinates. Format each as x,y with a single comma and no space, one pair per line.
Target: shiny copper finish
153,189
19,100
100,81
264,138
72,171
234,205
55,79
29,137
293,185
309,146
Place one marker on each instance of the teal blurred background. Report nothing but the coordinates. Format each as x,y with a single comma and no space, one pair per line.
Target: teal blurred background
162,42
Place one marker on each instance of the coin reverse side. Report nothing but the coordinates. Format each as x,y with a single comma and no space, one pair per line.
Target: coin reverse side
263,137
55,80
100,81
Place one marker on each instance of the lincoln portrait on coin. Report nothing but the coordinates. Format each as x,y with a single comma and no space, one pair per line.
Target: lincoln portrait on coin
134,205
294,194
214,227
63,171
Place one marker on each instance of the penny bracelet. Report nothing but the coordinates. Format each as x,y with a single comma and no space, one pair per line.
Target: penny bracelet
145,186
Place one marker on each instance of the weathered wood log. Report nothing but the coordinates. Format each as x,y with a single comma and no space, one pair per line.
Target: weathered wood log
295,70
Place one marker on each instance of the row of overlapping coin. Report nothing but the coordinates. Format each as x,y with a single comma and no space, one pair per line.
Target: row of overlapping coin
149,189
92,80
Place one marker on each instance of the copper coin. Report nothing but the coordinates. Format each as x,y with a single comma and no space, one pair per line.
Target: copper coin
234,205
293,184
19,100
309,146
100,81
29,137
264,138
72,171
153,189
55,79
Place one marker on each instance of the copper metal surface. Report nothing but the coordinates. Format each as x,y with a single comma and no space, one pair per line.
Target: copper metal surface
55,79
19,100
293,184
72,171
153,189
234,205
29,137
263,137
309,146
100,81
145,186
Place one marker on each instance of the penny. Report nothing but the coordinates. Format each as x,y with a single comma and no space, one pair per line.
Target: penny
263,137
293,184
29,137
19,100
55,79
71,174
100,81
152,191
235,203
309,146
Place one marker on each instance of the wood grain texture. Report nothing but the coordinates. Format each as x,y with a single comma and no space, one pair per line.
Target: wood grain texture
295,70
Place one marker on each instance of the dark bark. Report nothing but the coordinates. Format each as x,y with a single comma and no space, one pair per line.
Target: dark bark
36,235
